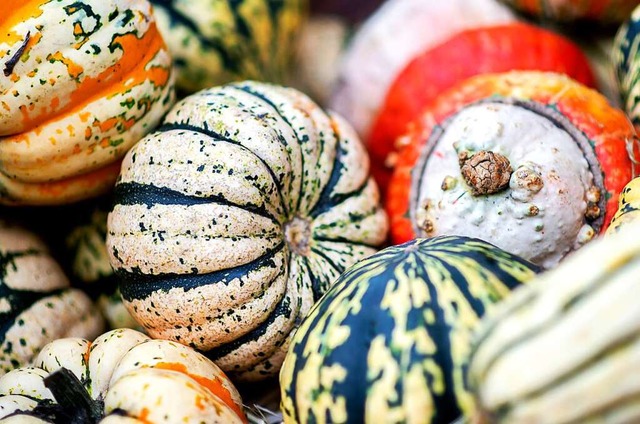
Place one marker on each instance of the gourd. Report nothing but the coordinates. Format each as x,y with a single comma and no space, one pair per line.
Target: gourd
565,348
628,207
235,216
389,341
214,43
81,83
532,162
626,63
604,11
124,377
36,303
90,266
388,40
498,48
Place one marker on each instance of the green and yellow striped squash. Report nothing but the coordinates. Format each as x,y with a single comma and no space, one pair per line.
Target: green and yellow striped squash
214,42
566,348
389,341
122,377
91,268
628,207
81,82
235,216
36,303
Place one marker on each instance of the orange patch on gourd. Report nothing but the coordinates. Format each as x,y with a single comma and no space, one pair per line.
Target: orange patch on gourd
14,12
73,68
214,386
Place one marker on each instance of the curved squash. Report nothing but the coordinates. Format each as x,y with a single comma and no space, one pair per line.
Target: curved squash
566,347
530,161
36,304
82,82
235,216
389,341
628,207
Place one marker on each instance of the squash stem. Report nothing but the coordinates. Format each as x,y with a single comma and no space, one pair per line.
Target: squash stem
71,395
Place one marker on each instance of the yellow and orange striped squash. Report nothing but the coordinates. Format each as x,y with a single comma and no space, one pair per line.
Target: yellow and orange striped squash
81,82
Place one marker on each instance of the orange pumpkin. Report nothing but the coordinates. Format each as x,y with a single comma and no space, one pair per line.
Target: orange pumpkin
532,162
81,83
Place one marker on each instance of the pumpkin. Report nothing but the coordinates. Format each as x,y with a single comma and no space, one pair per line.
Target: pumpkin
626,62
36,303
389,341
565,348
90,266
82,82
224,41
628,207
500,48
388,40
605,11
123,375
235,216
532,162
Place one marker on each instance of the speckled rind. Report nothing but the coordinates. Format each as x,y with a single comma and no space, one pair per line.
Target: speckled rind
206,209
214,43
572,334
36,304
81,84
389,341
137,379
628,207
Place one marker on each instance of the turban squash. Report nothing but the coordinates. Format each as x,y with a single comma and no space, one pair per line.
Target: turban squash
532,162
389,342
122,376
36,303
81,82
234,217
218,42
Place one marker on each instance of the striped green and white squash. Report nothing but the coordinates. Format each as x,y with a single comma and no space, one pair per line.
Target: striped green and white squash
235,216
122,377
625,56
216,42
389,341
36,303
90,266
566,349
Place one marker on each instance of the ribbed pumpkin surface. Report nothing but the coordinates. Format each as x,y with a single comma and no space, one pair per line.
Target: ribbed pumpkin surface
389,341
218,42
81,83
607,11
236,216
36,303
566,348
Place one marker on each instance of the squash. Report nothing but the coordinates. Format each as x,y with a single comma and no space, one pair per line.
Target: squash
388,40
235,216
499,48
626,62
532,162
217,42
389,341
36,303
123,375
628,207
604,11
90,266
82,82
566,347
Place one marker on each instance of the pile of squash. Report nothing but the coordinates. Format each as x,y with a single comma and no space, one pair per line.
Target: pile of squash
319,212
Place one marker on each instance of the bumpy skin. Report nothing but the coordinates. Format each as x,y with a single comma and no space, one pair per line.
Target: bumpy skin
628,207
499,48
605,11
36,303
214,43
236,216
136,379
606,129
390,340
90,265
82,82
572,334
626,60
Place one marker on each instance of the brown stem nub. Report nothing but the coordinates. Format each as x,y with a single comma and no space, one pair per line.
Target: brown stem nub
73,398
485,172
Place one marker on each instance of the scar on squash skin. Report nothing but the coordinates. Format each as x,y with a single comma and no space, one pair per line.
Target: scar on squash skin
11,63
